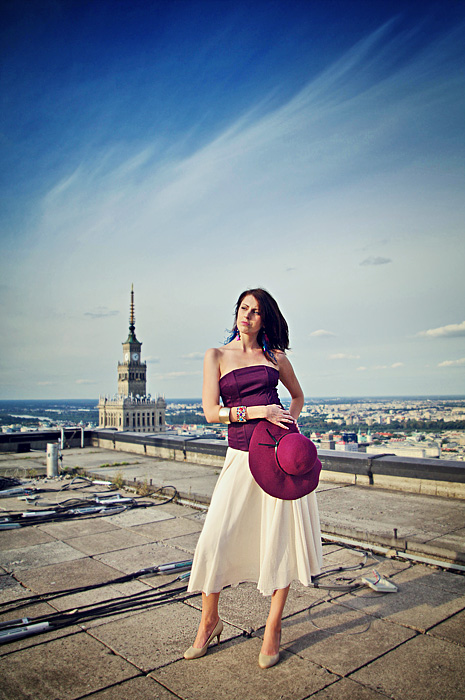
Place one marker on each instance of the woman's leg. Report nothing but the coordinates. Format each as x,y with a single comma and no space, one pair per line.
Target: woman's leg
271,639
209,619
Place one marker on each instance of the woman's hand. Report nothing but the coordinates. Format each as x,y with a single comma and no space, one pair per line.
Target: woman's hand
278,416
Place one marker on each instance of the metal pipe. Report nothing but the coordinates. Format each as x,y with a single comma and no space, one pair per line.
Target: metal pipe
401,555
52,459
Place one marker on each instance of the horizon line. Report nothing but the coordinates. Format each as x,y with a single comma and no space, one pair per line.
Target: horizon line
307,399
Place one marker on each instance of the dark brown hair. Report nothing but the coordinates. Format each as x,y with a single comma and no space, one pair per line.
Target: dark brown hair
274,324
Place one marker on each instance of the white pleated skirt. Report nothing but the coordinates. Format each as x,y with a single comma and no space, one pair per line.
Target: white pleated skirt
251,536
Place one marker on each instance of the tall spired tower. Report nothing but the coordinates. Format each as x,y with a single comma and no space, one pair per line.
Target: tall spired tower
132,372
132,409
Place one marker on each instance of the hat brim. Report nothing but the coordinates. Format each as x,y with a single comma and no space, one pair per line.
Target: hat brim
266,472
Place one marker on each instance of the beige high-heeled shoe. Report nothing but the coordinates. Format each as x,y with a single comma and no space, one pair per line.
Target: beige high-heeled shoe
265,661
194,653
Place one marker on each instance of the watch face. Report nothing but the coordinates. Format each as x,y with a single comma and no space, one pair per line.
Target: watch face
126,357
135,355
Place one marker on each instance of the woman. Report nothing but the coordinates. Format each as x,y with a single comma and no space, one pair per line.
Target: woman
249,535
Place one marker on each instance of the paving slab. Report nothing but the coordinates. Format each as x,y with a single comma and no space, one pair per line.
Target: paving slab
178,510
111,590
23,537
189,478
185,543
196,487
30,611
65,530
139,688
157,637
7,584
107,541
110,601
22,467
355,564
379,512
435,577
340,639
346,689
451,540
96,456
37,555
231,672
139,516
416,605
452,630
136,558
163,470
166,530
245,607
198,515
423,667
72,574
64,668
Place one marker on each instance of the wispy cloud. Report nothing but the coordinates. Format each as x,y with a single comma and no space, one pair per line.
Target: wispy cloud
193,356
343,356
176,375
322,334
395,365
152,360
330,128
375,260
178,196
453,330
453,363
101,312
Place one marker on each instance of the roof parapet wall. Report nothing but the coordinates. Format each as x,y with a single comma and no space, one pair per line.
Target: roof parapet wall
426,476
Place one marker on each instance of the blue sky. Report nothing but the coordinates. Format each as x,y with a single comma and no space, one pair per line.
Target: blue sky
199,148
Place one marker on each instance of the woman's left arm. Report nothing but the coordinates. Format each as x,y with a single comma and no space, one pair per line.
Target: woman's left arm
290,381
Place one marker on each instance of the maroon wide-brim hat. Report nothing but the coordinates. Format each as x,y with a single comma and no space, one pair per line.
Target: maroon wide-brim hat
283,462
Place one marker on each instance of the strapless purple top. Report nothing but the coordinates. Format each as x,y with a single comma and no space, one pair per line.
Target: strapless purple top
248,386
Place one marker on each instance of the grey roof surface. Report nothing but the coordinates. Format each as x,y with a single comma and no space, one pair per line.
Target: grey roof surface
336,644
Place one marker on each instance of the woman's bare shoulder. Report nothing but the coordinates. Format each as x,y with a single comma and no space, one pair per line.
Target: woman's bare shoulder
282,360
214,353
214,357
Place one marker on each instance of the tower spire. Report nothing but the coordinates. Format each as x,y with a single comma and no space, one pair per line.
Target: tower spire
132,319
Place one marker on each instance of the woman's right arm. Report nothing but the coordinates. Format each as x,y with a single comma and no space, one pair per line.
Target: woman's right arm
211,385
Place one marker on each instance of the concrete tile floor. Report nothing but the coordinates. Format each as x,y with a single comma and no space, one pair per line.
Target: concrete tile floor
335,645
423,667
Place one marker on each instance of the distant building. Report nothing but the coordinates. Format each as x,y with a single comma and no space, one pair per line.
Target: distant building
132,409
327,442
406,449
348,443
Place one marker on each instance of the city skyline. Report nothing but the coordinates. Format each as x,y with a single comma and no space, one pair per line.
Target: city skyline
196,149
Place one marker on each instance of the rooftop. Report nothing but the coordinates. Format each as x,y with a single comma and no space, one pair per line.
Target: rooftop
339,641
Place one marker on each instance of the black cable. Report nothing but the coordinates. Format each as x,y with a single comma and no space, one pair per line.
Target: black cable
64,510
47,597
110,605
339,569
148,599
7,482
